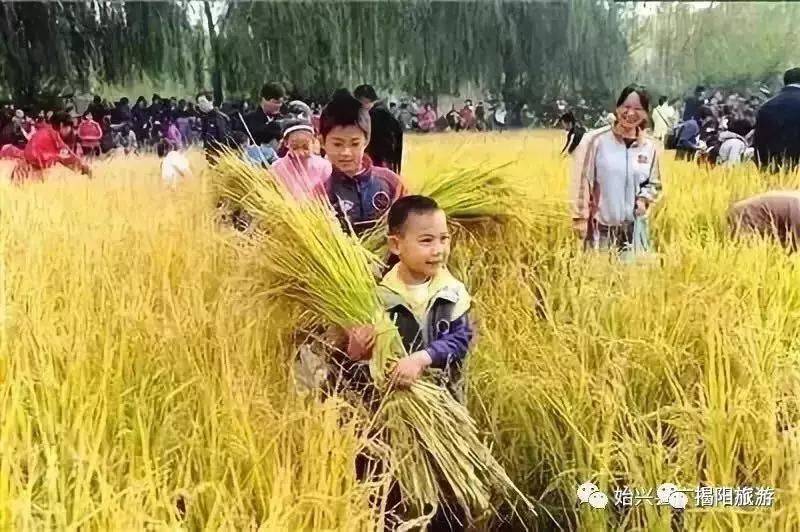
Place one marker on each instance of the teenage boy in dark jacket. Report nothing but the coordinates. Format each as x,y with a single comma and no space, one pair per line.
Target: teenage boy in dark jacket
359,192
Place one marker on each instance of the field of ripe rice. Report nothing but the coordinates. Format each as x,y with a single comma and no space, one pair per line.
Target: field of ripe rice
146,385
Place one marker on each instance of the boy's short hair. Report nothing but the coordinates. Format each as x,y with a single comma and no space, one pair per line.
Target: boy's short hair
344,110
366,91
405,207
273,91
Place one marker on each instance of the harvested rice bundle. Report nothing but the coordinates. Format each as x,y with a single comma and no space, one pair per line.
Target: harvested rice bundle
467,196
434,440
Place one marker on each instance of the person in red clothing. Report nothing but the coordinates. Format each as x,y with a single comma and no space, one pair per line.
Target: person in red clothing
46,149
90,133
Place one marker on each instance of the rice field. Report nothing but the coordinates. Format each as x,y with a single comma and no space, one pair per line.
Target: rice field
146,379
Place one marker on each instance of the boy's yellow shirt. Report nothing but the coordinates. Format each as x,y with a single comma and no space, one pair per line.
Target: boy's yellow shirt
443,280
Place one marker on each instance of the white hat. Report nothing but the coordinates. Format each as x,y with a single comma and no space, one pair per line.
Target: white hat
303,126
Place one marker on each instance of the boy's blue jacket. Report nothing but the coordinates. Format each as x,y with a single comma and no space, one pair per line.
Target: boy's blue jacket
363,199
440,326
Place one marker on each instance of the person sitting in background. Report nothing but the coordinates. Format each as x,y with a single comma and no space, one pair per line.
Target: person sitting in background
125,140
427,119
90,133
774,214
575,132
302,172
174,165
733,144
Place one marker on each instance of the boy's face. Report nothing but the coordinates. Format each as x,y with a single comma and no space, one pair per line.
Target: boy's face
344,147
424,244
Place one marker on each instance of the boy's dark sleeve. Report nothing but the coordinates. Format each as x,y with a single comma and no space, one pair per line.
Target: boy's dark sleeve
453,346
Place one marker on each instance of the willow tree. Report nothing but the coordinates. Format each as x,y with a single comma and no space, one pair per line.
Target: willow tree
45,46
426,48
726,44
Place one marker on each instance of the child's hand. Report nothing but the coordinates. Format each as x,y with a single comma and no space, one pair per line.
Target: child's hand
409,369
360,341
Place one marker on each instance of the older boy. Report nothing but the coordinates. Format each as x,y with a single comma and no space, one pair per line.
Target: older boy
359,192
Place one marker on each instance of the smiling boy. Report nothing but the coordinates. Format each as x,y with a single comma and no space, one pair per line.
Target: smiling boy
430,309
359,192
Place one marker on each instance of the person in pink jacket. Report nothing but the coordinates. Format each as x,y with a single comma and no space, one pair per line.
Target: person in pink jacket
301,171
90,133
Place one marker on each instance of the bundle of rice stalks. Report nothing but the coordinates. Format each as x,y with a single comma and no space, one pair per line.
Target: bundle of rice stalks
435,443
229,182
470,197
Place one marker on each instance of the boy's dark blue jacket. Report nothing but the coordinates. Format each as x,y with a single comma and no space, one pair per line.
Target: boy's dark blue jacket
440,325
364,198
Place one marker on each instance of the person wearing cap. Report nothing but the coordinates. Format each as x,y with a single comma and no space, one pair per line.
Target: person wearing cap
385,146
777,134
301,171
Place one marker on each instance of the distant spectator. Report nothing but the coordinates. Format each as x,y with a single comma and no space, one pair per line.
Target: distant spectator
427,119
664,117
385,146
733,144
90,133
575,132
777,132
694,103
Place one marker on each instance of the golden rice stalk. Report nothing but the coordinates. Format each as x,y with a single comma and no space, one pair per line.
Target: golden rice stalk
467,196
433,437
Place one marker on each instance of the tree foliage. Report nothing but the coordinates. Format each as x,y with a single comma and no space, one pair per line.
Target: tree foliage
426,47
50,46
530,50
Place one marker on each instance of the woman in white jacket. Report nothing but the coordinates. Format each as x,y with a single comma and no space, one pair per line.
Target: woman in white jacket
615,176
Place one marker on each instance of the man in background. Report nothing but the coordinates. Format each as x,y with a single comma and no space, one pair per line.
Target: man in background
385,146
777,132
694,103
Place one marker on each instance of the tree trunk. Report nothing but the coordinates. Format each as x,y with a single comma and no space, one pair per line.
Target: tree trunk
216,52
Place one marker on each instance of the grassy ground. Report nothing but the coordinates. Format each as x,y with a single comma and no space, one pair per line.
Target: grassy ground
139,373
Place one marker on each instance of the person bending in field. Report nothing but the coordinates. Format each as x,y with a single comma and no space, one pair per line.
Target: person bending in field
430,309
774,214
359,192
575,132
48,148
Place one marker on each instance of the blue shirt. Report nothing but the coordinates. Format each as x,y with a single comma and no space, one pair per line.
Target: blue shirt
258,155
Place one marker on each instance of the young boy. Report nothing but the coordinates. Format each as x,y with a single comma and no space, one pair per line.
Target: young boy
359,192
430,309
